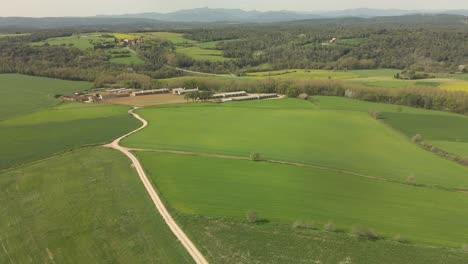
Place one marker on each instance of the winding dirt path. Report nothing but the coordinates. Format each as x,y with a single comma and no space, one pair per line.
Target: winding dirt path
178,232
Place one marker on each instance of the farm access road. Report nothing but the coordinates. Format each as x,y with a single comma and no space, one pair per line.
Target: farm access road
178,232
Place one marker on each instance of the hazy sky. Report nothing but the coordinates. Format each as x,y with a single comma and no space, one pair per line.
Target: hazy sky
38,8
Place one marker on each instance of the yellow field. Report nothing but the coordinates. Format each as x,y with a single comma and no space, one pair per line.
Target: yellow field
455,86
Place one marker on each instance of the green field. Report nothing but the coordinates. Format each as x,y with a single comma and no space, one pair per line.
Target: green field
69,126
87,206
12,35
176,38
304,74
297,131
198,53
28,94
229,241
131,59
457,148
283,194
80,41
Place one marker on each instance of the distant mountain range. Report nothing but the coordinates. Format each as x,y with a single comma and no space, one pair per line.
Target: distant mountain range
238,15
212,18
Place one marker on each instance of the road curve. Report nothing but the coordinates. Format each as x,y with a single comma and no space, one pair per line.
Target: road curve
178,232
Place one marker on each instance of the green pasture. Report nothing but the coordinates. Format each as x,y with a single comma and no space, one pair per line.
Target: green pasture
304,74
198,53
13,35
80,41
131,57
24,94
176,38
42,134
458,148
229,241
306,133
431,127
218,187
87,206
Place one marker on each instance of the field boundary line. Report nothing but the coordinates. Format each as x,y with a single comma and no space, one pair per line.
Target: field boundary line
178,232
304,165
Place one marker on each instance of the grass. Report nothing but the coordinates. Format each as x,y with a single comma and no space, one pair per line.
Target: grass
133,59
297,131
198,53
229,241
24,94
458,148
39,135
176,38
304,74
217,187
87,206
431,127
81,41
13,35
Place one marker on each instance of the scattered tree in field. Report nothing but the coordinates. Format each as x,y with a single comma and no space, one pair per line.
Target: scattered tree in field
329,227
400,239
364,232
304,225
465,248
252,217
417,138
255,156
374,113
411,179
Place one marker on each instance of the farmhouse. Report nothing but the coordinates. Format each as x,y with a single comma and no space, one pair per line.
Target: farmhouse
148,92
228,95
181,91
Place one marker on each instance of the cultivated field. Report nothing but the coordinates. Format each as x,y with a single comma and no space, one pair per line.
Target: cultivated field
80,41
194,49
219,187
28,94
235,241
68,126
87,206
297,131
147,100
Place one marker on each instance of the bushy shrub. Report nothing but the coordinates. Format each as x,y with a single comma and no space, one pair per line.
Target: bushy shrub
417,138
329,227
252,217
465,248
374,113
365,232
304,225
400,239
255,156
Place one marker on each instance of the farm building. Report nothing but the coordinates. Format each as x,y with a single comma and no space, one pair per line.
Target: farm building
181,91
333,40
74,97
106,95
148,92
251,97
118,90
228,95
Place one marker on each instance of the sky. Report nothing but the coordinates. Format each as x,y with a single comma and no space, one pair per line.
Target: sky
42,8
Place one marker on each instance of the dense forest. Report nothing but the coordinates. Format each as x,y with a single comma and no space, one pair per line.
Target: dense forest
419,47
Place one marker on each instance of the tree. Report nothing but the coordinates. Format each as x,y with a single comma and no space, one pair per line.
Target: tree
252,217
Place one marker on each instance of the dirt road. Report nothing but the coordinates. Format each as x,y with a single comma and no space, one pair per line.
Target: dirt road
186,242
